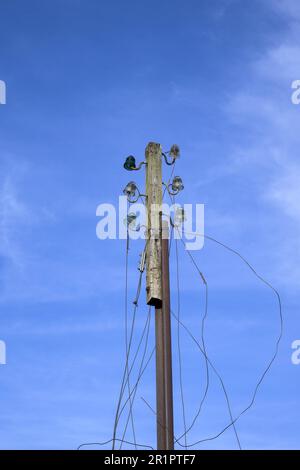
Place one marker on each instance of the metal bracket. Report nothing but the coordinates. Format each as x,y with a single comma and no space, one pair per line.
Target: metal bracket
142,262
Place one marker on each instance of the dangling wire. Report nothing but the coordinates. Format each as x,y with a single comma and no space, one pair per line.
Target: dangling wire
169,180
131,401
202,339
178,324
219,377
124,379
139,377
179,345
269,365
176,440
127,375
126,329
132,365
205,354
155,414
204,317
111,440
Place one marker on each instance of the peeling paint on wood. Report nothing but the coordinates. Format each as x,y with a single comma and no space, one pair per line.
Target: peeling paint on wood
154,203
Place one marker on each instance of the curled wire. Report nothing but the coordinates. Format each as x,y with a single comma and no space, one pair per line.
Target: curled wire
111,440
270,363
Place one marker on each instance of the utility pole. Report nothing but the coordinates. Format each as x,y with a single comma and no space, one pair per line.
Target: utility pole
158,295
158,279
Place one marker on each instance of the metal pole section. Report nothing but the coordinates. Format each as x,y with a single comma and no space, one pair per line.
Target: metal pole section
160,381
167,337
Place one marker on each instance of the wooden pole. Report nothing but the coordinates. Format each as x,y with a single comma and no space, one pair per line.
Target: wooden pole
158,295
154,202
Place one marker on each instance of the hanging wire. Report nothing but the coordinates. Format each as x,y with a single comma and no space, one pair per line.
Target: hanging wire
133,362
124,380
111,440
205,354
220,379
176,440
204,347
128,349
179,345
169,180
233,421
171,238
202,339
131,401
126,329
155,414
149,406
270,363
139,377
178,312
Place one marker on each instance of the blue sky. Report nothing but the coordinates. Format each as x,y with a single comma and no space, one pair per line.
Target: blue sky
89,83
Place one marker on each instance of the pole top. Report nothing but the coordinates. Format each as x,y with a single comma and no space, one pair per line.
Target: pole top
153,147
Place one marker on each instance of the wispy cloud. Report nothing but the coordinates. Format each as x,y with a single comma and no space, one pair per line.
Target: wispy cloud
290,8
29,271
271,147
13,214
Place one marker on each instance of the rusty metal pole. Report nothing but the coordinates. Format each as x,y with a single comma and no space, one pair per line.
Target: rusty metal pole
167,336
161,414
